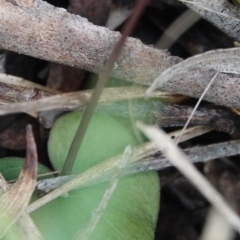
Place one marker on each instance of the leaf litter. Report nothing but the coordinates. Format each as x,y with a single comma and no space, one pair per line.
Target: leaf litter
224,67
221,60
14,222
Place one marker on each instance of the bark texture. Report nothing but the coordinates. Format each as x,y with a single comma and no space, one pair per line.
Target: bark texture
51,33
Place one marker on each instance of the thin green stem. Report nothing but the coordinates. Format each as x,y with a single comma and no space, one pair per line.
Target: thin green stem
102,80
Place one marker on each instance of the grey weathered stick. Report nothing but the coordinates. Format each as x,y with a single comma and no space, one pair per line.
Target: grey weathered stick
44,31
195,154
50,33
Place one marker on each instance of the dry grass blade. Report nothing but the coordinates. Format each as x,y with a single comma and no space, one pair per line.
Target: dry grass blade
75,100
196,106
177,28
216,227
24,228
221,13
221,60
14,201
190,133
4,187
180,161
101,170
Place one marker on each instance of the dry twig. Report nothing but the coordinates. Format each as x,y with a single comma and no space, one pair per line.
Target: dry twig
51,33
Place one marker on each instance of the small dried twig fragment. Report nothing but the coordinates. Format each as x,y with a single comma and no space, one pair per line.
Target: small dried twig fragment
195,154
10,80
14,201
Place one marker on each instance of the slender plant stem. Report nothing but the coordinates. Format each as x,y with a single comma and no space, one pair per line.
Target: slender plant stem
102,80
196,106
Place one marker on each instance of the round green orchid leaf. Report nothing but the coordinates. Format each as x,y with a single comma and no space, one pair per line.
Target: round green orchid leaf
130,214
106,137
132,210
10,168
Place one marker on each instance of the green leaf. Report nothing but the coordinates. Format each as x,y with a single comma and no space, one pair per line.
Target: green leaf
10,168
106,137
132,210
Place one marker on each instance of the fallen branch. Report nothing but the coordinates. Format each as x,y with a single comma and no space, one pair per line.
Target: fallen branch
51,33
157,162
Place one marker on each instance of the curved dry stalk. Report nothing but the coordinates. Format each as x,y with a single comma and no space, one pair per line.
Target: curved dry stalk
69,101
177,28
14,201
24,228
216,227
180,161
196,106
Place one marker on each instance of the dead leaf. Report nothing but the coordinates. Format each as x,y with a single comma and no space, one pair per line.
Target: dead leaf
14,201
221,60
